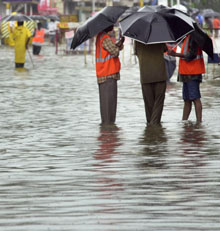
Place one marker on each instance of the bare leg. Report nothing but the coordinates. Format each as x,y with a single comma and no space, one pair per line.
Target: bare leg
187,109
198,109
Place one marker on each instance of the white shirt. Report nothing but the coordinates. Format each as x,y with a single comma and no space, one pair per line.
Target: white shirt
52,27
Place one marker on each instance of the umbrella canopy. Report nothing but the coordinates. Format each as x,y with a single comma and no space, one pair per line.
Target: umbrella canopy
181,7
203,40
53,17
210,13
169,12
108,16
157,24
3,18
155,8
18,18
129,11
38,18
170,63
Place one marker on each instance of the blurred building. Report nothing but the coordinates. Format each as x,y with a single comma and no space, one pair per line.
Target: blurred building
82,9
28,7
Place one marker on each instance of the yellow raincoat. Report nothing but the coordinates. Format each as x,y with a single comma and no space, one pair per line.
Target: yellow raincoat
20,35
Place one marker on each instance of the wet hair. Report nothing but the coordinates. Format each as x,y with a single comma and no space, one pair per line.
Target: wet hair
20,23
39,25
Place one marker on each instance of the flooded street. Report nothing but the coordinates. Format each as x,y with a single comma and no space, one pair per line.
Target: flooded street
61,171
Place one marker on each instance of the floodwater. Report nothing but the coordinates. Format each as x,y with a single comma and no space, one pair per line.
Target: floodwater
61,171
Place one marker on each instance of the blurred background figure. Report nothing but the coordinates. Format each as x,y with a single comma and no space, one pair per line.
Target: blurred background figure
208,26
216,26
38,39
199,19
52,27
21,36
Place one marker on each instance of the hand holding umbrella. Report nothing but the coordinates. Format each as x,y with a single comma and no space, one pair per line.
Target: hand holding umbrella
120,43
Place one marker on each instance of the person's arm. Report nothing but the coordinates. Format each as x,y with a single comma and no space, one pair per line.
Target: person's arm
111,47
29,34
191,54
35,30
27,42
175,54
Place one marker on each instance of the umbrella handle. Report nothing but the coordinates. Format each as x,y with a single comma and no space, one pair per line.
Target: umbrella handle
30,57
178,43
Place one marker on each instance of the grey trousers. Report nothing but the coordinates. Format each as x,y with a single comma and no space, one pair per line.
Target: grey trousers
154,95
108,101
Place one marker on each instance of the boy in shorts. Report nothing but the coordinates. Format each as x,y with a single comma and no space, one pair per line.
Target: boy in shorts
191,68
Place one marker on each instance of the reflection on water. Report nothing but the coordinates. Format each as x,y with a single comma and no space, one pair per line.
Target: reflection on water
59,170
193,138
154,142
106,156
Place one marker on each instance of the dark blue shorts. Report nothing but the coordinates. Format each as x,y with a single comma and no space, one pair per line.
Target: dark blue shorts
191,90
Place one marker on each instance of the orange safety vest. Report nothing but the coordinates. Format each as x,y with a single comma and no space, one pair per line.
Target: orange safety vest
39,36
194,67
106,64
216,23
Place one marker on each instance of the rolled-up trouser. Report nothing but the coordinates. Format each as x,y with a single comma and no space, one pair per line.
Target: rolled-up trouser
19,65
154,95
36,50
108,101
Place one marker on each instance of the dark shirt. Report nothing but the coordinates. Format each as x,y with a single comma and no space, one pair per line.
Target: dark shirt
151,62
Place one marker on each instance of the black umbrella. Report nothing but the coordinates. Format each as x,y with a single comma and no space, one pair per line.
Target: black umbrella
210,13
3,18
53,17
157,24
155,8
129,11
108,16
38,18
169,13
203,40
170,63
18,18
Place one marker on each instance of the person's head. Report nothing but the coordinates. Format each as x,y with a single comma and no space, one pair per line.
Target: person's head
39,25
20,23
110,28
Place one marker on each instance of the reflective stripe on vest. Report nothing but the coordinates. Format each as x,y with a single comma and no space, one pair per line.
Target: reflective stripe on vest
186,46
100,59
106,64
193,67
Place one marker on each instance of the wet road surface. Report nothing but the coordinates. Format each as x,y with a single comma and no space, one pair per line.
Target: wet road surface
60,170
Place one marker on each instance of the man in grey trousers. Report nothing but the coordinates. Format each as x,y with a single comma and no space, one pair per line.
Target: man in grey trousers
108,72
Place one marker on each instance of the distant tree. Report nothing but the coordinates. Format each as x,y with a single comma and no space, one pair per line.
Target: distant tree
205,4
